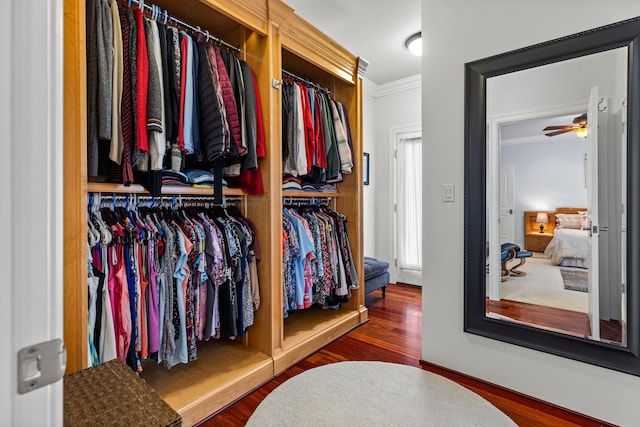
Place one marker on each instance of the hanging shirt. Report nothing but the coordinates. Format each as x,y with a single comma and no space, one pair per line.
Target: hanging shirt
142,83
152,297
117,144
344,151
299,136
156,120
188,94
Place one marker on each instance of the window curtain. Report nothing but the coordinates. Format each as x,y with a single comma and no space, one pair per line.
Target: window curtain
409,208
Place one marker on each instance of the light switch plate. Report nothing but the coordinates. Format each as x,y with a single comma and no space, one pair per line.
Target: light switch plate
448,193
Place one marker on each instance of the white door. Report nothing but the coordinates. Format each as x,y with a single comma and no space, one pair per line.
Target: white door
31,212
408,182
507,222
592,203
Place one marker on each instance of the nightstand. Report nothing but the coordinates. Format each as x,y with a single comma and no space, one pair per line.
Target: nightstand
537,242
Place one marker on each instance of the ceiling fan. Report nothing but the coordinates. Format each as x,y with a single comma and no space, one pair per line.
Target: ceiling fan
579,126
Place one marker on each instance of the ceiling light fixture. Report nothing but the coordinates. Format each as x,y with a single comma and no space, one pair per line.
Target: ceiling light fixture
414,43
582,132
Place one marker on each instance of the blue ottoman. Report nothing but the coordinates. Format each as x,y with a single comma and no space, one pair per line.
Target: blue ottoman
511,251
376,275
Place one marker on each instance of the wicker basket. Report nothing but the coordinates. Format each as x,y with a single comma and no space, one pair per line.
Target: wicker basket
111,394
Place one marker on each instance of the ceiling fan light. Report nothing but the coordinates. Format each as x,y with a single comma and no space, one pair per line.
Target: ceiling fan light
581,132
414,43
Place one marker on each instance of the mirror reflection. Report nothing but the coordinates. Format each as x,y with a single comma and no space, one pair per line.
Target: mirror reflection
556,196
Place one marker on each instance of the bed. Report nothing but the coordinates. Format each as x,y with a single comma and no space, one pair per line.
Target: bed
570,246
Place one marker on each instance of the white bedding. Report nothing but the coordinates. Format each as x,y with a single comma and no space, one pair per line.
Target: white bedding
570,248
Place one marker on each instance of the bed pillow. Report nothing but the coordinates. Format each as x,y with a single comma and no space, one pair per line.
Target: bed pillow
568,221
584,219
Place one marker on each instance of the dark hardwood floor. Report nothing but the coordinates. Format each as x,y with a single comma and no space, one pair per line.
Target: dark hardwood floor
572,322
393,334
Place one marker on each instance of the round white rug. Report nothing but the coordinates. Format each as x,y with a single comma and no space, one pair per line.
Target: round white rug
374,394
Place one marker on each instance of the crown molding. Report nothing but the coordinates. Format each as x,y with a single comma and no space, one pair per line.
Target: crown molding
390,88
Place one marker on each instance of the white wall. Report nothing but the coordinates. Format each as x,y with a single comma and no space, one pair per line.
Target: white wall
393,105
545,177
369,145
456,32
552,86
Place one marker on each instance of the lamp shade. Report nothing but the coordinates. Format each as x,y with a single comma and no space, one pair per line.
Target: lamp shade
542,218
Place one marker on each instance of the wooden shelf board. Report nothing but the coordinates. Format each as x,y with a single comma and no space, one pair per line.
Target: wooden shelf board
102,187
309,330
224,372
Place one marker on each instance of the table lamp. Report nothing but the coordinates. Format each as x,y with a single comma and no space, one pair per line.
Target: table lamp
543,219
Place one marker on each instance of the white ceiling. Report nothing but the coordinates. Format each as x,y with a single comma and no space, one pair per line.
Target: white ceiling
372,29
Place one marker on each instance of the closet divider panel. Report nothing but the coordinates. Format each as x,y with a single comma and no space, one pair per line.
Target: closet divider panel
264,210
278,13
75,187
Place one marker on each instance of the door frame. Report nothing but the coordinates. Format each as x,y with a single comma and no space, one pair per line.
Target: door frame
394,133
593,209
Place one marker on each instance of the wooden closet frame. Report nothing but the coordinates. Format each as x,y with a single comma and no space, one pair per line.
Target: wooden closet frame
272,37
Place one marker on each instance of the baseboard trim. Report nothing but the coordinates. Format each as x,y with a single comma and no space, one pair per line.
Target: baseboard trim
490,391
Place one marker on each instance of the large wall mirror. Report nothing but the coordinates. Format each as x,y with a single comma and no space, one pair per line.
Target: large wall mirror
552,186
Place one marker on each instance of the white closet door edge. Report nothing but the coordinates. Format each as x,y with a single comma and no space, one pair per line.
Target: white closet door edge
31,80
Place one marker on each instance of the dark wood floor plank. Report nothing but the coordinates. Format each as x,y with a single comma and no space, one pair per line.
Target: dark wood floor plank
573,322
394,334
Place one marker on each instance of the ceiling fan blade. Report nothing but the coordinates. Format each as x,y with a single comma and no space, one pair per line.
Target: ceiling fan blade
558,132
556,127
580,120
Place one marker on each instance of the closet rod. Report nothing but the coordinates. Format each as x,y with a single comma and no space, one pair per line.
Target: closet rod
302,200
163,16
178,200
305,81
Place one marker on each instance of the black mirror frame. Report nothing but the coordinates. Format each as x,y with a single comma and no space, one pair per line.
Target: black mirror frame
621,34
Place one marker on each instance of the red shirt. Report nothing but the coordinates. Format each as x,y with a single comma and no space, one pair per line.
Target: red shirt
142,83
184,45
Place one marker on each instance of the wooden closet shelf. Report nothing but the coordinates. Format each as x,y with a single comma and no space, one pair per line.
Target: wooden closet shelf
102,187
306,331
223,372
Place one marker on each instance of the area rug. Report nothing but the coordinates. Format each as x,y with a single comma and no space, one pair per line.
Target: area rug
543,285
374,394
575,280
